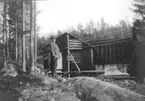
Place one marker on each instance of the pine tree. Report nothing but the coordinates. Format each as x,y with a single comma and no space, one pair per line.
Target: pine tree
139,8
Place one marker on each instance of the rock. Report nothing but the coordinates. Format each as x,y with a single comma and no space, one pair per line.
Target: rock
109,71
37,71
49,81
90,89
20,99
64,80
9,70
52,99
38,65
27,84
68,96
21,83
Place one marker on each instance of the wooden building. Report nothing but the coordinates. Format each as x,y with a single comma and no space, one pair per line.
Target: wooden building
113,51
76,55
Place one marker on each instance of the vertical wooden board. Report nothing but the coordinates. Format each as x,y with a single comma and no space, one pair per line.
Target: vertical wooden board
85,58
106,48
98,56
116,53
101,58
120,53
87,63
118,58
68,51
107,54
101,53
110,54
113,54
92,57
122,48
104,53
125,53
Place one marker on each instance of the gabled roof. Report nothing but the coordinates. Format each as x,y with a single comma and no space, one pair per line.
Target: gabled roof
67,34
77,39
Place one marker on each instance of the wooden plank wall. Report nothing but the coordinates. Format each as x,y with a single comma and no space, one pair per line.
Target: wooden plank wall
115,53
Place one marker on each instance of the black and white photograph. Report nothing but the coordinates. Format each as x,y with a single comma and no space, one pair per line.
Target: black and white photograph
72,50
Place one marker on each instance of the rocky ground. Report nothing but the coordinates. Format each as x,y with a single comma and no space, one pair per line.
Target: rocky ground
32,88
16,87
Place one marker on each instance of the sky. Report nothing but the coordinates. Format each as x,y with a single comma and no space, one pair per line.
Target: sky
60,14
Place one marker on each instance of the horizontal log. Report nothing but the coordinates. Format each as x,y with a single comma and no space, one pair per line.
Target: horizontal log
75,48
74,41
75,45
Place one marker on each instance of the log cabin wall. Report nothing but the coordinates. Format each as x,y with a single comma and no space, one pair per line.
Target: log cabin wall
82,53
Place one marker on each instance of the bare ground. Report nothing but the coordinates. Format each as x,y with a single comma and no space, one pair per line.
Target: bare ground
29,88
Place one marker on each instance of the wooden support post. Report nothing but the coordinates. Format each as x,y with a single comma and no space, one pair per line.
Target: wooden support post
92,57
68,62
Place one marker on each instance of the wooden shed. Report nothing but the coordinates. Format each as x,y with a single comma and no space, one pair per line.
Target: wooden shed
76,55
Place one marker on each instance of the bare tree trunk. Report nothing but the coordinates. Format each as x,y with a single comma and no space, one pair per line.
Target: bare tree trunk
7,30
8,37
4,33
35,34
16,38
23,39
20,46
32,35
